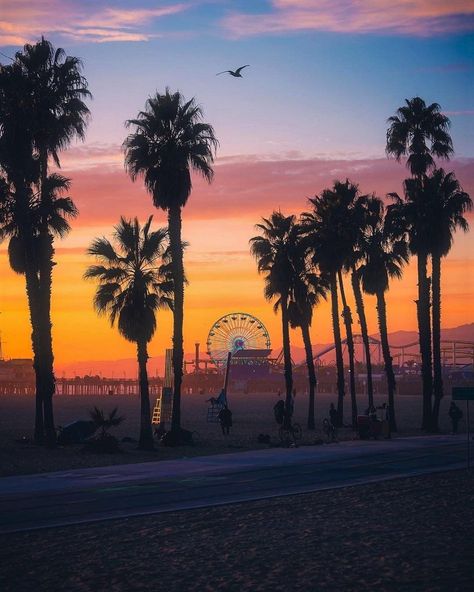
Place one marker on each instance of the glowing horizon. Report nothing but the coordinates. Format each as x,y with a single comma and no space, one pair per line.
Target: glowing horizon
311,108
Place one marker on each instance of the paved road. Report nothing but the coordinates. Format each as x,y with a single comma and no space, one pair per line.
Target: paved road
86,495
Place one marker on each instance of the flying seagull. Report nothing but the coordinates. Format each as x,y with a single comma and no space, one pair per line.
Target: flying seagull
235,73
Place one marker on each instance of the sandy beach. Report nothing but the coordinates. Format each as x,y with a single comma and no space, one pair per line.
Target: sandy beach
252,415
407,535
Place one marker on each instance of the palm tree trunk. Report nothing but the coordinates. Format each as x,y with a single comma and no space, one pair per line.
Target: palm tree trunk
347,316
424,329
47,356
364,331
33,297
177,271
287,360
338,348
32,293
387,358
45,280
311,374
437,368
146,434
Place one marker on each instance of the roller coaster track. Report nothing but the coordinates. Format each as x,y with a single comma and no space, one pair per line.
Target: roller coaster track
454,353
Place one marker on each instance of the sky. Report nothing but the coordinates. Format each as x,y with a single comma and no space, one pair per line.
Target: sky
324,76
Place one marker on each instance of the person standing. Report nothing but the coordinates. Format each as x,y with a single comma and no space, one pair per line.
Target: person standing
455,414
225,419
333,416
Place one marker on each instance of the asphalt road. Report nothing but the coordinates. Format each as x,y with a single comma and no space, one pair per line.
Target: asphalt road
86,495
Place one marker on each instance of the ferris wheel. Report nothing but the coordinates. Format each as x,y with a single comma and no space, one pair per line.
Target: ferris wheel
234,332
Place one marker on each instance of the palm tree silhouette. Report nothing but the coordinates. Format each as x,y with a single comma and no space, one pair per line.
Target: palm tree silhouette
447,204
168,143
53,113
307,289
421,132
367,211
20,222
383,258
19,171
333,240
131,289
275,251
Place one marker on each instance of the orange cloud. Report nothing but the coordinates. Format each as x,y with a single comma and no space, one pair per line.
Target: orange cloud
24,21
412,17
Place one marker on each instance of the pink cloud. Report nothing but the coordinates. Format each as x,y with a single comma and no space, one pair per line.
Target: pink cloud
242,190
24,21
412,17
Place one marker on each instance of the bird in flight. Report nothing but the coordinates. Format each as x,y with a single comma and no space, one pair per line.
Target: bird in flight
235,73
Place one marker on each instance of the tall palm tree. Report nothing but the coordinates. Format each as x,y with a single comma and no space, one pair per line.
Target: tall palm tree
368,210
383,258
49,111
321,229
421,132
19,171
57,115
131,289
447,205
20,222
333,240
275,251
307,290
168,143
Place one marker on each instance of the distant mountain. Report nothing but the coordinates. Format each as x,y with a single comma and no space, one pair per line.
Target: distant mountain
398,338
128,366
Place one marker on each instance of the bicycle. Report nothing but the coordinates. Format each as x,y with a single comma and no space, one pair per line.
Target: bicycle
293,433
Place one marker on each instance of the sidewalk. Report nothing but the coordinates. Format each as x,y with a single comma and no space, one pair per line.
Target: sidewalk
83,479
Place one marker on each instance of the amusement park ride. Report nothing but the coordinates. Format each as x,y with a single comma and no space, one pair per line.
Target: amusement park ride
246,338
252,366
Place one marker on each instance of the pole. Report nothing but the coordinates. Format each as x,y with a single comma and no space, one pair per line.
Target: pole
468,437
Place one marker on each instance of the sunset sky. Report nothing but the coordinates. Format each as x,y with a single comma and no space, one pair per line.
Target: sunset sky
324,77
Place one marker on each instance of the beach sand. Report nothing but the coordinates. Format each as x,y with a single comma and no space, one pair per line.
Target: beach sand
252,415
407,535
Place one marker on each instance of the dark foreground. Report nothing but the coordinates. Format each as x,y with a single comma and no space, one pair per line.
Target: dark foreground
411,534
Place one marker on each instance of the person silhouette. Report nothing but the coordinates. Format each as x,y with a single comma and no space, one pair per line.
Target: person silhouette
225,419
455,414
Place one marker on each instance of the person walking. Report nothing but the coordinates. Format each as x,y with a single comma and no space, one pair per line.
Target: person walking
455,414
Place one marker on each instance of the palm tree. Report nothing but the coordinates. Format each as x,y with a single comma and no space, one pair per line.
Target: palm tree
19,171
333,240
169,142
57,115
447,205
367,210
45,109
421,132
307,290
383,259
275,251
131,289
20,221
105,422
